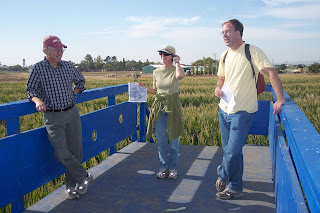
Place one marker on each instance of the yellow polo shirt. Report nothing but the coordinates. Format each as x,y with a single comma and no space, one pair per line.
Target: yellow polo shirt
238,77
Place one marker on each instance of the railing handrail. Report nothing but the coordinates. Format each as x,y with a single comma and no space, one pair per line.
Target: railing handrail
35,154
303,139
304,147
26,107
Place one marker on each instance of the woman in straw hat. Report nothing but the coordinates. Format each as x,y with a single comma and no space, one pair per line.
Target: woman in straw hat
166,113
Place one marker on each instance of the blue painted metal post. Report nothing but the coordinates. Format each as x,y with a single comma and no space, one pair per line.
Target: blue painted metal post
17,206
143,127
272,140
13,127
111,102
148,114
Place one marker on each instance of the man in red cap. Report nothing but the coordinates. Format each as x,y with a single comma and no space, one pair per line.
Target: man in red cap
50,87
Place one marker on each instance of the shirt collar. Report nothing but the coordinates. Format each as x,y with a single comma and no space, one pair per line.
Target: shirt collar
46,62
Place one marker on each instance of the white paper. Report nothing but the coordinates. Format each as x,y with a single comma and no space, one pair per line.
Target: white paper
228,98
137,93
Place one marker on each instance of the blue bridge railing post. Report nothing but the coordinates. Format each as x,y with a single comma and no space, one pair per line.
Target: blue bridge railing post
143,126
13,127
111,102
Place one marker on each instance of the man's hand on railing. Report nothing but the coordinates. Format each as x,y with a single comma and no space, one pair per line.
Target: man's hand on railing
277,107
40,105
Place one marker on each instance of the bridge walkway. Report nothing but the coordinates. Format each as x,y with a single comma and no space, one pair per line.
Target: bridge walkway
126,182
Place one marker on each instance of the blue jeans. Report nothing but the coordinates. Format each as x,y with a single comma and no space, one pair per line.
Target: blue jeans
168,152
234,129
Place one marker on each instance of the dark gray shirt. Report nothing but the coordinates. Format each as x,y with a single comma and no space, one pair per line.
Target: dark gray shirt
54,86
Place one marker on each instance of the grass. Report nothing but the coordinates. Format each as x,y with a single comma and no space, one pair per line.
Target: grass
200,111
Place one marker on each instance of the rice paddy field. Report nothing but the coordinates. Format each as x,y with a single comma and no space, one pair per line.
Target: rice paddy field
200,110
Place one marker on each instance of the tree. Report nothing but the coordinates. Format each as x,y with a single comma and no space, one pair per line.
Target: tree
88,62
314,68
283,67
113,59
98,63
197,67
107,60
123,64
210,67
192,69
16,68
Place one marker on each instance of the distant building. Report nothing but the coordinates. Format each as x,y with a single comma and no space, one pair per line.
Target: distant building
3,66
81,69
150,68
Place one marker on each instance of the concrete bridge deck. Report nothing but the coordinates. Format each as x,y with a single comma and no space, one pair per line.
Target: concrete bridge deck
126,182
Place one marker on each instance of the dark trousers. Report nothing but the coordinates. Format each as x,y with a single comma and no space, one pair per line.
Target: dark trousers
65,135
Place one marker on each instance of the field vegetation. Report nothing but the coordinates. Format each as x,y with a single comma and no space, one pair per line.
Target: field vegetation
200,109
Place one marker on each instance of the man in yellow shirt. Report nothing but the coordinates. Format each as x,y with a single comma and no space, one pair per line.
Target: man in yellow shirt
236,74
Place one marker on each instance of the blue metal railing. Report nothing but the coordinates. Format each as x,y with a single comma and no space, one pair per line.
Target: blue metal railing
295,157
27,158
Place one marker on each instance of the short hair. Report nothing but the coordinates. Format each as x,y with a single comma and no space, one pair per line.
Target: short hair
238,26
45,48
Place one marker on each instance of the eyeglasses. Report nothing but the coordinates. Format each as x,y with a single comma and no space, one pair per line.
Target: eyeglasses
226,32
57,50
163,53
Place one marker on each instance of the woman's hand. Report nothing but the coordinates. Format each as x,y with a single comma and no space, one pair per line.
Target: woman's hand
176,59
140,83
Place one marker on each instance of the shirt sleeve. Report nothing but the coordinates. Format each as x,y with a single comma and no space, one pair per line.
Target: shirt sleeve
221,69
33,84
154,85
259,59
79,81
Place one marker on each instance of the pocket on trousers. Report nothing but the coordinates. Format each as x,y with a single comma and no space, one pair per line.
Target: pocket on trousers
48,118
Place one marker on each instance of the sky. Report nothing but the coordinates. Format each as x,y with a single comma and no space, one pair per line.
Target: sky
288,31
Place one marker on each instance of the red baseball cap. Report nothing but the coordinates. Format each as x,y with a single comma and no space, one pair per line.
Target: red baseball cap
53,41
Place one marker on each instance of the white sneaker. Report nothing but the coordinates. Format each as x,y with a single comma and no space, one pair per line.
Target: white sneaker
71,191
83,187
173,174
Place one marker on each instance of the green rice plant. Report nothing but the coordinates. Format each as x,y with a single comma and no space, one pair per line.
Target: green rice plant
202,129
200,111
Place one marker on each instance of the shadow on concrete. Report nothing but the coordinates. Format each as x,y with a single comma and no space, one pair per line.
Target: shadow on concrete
131,186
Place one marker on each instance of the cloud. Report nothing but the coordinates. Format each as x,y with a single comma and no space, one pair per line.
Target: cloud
96,33
164,20
192,33
277,3
309,11
146,29
278,34
192,20
154,26
295,25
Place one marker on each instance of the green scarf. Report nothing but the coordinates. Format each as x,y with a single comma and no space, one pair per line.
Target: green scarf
172,106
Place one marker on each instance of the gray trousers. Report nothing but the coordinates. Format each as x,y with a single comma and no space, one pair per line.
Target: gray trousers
65,135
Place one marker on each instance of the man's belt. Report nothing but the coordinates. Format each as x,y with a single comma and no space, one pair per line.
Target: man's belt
60,110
